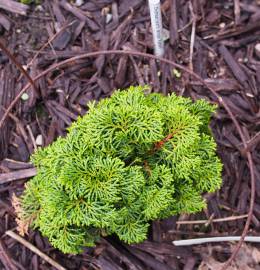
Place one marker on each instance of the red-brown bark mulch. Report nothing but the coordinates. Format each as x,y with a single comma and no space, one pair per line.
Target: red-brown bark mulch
226,56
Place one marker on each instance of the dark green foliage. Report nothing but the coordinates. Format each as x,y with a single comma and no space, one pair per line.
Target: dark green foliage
133,158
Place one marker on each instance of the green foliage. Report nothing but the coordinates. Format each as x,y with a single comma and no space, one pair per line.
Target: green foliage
27,2
133,158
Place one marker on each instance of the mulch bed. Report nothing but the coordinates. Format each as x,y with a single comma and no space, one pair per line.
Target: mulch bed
225,54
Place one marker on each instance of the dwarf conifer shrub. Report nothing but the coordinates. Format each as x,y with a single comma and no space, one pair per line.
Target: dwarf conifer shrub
133,158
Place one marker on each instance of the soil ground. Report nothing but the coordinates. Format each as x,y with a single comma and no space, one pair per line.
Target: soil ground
224,52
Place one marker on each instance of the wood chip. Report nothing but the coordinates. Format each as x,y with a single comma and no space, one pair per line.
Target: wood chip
5,257
174,22
233,65
35,250
5,22
17,175
14,7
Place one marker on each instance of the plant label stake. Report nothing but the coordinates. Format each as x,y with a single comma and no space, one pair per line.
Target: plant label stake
156,21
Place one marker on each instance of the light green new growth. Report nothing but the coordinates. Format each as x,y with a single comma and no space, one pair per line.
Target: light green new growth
133,158
30,1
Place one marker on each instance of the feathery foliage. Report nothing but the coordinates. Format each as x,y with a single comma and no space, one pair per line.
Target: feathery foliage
133,158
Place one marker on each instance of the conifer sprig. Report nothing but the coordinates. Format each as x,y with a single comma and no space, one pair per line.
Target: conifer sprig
133,158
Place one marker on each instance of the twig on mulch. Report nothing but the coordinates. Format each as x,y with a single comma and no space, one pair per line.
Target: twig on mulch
34,249
17,64
241,30
13,6
198,241
193,222
252,142
183,68
192,37
17,175
32,137
237,11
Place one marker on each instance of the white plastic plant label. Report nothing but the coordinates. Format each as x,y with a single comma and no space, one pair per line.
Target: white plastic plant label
156,20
